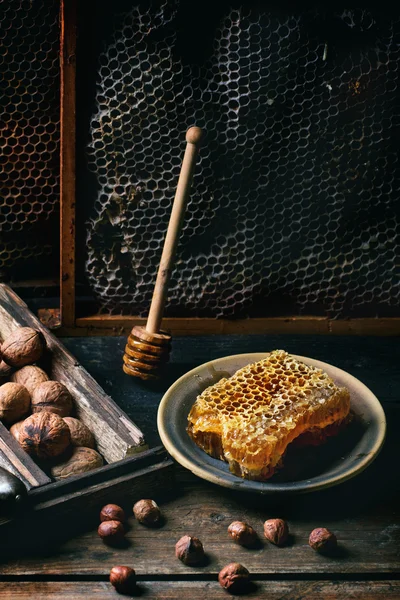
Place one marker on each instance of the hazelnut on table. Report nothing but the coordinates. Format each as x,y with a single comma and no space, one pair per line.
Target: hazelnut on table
276,531
123,579
234,578
112,512
190,551
322,540
147,512
14,402
242,533
111,531
23,347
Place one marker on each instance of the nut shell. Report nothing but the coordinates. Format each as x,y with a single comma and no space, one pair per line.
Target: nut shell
23,347
234,578
276,531
16,429
80,434
80,461
14,402
190,550
147,512
44,435
30,376
242,533
52,396
322,540
111,531
112,512
123,579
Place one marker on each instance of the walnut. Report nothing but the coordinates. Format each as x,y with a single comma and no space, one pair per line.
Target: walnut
30,376
242,533
23,347
190,550
80,434
44,435
322,540
276,531
52,396
14,402
234,578
16,429
5,370
80,461
147,512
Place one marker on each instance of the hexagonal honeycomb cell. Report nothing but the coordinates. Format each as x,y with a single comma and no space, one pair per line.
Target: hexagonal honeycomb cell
29,134
249,419
293,205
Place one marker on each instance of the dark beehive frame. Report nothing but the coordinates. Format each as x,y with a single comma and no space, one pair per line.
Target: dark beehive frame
114,324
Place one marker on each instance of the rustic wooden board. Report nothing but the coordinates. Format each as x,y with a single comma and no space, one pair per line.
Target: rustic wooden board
203,590
116,435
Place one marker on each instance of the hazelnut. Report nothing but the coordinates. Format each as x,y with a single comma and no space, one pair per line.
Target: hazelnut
242,533
111,531
23,347
16,429
81,460
44,435
30,376
322,540
52,396
80,434
190,550
147,512
14,402
112,512
276,531
234,578
123,579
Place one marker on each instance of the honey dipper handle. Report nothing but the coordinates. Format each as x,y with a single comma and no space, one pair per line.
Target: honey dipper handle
193,138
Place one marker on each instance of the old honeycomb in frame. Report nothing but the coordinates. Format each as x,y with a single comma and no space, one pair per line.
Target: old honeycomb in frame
292,209
29,138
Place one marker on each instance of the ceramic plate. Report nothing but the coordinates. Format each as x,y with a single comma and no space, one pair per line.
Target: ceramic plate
304,469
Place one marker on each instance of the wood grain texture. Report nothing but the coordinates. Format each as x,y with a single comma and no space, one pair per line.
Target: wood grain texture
67,159
14,459
203,590
119,325
116,435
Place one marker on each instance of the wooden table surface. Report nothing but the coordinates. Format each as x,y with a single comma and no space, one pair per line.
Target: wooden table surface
363,512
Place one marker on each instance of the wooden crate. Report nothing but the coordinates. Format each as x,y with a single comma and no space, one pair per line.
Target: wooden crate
131,467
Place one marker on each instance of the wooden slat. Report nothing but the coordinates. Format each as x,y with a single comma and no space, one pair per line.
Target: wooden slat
116,435
203,590
14,459
67,161
117,325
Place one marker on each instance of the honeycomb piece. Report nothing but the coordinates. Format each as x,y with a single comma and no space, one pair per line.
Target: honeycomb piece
29,136
249,419
293,203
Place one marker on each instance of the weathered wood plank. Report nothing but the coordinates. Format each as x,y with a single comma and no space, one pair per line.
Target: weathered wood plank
116,435
203,590
67,159
14,459
118,325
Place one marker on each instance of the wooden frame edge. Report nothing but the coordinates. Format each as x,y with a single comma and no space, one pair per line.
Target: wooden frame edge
120,325
67,159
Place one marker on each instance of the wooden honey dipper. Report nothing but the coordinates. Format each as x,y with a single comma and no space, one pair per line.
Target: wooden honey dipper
148,347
